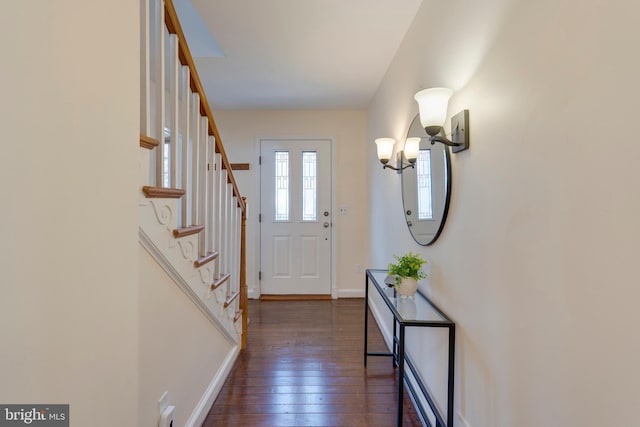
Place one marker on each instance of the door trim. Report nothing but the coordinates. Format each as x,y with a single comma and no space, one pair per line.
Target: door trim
332,144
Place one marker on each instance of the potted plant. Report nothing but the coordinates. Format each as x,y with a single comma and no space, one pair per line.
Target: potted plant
406,271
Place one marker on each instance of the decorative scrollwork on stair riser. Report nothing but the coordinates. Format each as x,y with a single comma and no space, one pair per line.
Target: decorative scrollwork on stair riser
206,275
220,295
187,249
163,212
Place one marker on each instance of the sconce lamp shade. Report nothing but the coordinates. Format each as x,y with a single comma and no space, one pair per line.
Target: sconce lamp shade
412,148
385,148
433,105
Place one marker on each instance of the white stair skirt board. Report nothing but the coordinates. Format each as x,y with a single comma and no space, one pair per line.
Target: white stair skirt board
157,221
202,408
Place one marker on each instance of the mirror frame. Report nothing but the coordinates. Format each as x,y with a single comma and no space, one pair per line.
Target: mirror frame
424,139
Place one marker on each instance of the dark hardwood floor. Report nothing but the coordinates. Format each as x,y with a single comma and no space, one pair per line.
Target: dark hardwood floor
303,367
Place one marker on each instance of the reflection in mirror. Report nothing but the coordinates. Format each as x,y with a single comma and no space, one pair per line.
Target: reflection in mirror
426,188
424,192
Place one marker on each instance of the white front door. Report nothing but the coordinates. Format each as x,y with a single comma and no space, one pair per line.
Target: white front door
295,211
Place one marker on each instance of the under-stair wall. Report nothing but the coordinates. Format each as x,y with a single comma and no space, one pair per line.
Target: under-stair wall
180,352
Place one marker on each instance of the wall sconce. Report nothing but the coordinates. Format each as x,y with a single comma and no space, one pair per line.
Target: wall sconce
410,152
433,105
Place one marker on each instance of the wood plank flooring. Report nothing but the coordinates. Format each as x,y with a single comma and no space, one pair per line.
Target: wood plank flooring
303,367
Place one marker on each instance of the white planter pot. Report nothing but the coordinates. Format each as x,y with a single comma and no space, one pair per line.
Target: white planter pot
407,287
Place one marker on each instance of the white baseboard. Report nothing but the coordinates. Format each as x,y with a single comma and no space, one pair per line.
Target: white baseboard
252,293
202,408
350,293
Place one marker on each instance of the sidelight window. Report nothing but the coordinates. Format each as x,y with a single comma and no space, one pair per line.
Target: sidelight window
281,186
309,186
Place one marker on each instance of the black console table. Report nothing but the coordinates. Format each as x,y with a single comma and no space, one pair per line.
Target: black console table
417,312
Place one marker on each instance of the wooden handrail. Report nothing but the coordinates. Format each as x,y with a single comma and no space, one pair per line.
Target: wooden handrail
184,54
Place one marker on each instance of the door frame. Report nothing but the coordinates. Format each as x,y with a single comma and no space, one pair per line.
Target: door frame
258,183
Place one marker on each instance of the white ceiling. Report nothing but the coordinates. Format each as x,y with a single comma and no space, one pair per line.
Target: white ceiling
293,54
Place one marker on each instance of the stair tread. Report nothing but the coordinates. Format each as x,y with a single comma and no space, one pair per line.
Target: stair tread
220,281
161,192
205,259
230,298
148,142
187,231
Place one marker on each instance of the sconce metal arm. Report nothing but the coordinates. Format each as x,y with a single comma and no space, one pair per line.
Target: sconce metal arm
399,168
459,133
400,164
444,140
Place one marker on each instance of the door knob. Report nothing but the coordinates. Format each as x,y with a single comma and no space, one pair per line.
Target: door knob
325,225
326,213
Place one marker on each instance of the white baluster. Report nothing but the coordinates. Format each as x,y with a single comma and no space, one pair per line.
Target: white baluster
223,210
195,152
228,232
185,131
218,214
173,106
203,201
232,243
211,193
238,250
161,104
236,246
145,68
155,112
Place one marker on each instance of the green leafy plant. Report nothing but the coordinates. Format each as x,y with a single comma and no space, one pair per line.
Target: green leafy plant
407,266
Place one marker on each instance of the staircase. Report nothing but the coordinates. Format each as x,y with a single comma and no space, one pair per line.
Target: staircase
192,216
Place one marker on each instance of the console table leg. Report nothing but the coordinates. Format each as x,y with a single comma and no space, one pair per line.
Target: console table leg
394,346
400,375
452,358
366,316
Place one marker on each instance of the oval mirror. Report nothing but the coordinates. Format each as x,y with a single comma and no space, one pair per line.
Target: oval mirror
426,188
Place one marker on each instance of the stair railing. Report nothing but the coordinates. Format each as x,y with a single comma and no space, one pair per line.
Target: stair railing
190,160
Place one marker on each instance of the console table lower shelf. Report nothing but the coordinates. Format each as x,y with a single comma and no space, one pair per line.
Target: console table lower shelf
421,312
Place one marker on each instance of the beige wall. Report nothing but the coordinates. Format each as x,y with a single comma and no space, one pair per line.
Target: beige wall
68,254
241,131
181,351
537,262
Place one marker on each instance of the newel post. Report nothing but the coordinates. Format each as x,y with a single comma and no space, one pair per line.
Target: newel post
244,296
